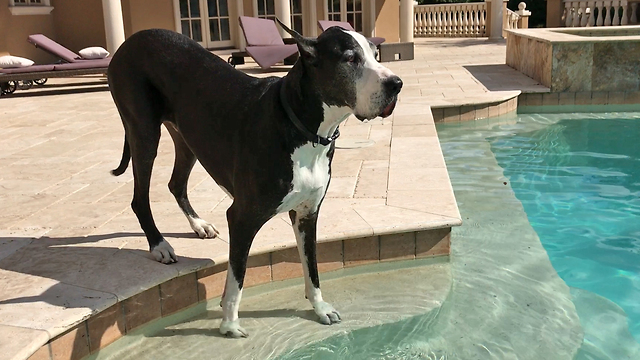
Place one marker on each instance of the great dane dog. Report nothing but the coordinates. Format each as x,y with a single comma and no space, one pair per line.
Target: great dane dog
268,143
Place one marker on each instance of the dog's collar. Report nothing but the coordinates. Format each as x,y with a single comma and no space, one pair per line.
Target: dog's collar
314,138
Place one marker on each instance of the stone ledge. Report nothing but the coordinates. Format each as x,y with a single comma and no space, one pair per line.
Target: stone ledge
105,327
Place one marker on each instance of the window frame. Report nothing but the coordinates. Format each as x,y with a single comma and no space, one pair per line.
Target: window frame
30,7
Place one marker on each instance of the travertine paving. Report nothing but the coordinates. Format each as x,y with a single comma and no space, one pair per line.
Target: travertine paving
68,239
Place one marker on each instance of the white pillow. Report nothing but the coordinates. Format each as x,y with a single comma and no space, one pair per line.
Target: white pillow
94,52
8,62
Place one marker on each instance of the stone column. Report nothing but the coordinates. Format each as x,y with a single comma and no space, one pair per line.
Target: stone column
495,19
406,21
242,43
113,24
283,12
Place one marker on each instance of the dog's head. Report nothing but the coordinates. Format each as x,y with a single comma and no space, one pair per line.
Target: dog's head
344,67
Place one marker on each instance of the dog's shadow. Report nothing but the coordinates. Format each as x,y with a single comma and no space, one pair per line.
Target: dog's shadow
77,264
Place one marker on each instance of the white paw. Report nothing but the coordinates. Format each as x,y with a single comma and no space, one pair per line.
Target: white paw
164,253
203,228
232,329
328,315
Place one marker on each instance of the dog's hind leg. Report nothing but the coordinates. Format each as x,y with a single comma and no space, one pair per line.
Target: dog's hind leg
305,227
243,227
184,161
142,128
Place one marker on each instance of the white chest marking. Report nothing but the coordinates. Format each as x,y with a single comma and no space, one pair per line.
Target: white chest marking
310,178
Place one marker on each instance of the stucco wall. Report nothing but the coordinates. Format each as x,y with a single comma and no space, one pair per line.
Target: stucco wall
148,14
388,20
79,23
15,29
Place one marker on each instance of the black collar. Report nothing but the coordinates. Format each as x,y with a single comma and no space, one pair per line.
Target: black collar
314,138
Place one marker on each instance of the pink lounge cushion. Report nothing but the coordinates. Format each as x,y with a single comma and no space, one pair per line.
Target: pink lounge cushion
53,47
28,69
86,64
267,56
260,32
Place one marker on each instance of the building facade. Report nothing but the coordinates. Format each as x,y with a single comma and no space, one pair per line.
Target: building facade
77,24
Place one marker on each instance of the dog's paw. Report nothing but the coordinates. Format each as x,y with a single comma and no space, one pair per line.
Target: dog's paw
203,228
232,329
328,315
163,252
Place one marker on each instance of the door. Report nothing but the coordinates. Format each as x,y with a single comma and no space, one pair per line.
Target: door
204,21
218,27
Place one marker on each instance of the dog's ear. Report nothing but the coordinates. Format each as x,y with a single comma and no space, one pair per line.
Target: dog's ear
306,46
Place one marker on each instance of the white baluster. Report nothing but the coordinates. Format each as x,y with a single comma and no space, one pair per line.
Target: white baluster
567,14
634,17
481,20
430,23
616,12
591,20
576,14
465,23
607,18
625,12
585,15
600,20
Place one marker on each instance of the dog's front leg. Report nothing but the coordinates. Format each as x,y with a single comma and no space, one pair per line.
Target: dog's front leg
243,227
305,227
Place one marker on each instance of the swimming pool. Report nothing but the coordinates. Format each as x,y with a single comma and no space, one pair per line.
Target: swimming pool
547,201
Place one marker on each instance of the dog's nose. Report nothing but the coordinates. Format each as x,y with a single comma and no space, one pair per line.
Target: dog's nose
393,84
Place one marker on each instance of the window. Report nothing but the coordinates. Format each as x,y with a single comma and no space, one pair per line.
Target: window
296,15
266,9
354,14
30,7
334,10
190,19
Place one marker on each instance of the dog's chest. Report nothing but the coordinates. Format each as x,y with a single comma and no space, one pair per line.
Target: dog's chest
310,178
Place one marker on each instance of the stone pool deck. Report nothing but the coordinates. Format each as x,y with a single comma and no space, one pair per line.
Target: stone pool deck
74,265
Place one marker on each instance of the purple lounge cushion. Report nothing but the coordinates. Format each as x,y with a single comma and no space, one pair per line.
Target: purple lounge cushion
28,69
267,56
377,40
86,64
260,32
325,24
53,47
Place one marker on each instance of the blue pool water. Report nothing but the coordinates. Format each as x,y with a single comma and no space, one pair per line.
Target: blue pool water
579,183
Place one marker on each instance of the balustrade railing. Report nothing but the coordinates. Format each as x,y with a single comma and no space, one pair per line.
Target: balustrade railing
450,20
511,19
584,13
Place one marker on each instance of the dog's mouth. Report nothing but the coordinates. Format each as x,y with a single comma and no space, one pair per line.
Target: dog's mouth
389,109
386,112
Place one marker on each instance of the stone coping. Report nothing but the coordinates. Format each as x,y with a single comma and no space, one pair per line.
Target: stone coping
564,35
185,291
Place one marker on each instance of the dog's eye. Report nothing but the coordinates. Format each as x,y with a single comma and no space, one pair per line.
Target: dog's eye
350,57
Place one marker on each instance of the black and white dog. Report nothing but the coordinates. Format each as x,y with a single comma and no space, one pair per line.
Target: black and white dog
267,142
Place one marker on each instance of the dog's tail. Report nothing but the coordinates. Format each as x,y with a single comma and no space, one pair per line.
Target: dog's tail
124,163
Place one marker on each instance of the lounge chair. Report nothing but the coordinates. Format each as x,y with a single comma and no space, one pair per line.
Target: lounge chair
264,43
55,49
39,73
325,24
